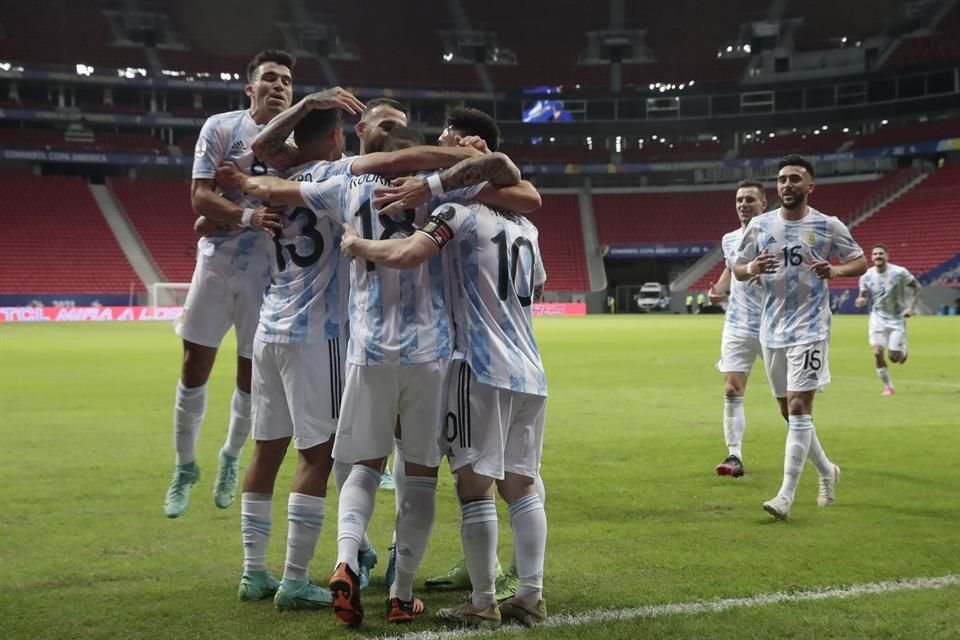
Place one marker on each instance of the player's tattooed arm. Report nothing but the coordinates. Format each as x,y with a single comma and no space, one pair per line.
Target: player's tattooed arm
495,168
271,144
538,293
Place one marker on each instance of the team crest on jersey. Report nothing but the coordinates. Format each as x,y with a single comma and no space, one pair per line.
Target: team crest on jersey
811,239
446,213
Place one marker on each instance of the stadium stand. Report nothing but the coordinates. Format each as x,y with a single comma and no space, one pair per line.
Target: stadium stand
714,25
407,54
921,228
665,216
61,244
550,61
910,133
161,213
676,152
561,243
781,145
823,25
29,28
942,45
553,153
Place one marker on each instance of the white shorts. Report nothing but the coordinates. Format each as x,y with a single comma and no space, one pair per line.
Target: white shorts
801,367
221,296
891,335
296,391
494,430
737,354
373,397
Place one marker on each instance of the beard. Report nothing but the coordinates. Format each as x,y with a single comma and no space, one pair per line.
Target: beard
798,200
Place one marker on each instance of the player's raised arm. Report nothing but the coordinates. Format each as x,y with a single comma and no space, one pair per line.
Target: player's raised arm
400,253
206,227
271,144
419,158
407,193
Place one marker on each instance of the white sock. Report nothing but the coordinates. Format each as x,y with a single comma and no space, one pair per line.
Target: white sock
188,409
341,471
399,481
734,424
884,374
414,522
478,533
540,488
528,521
399,474
818,456
240,423
795,454
305,518
357,499
256,510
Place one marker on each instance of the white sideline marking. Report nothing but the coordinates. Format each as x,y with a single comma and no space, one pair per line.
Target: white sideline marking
929,383
695,608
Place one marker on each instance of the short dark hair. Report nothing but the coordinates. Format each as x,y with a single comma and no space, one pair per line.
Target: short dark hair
752,184
473,122
317,123
279,56
403,138
880,245
796,160
383,102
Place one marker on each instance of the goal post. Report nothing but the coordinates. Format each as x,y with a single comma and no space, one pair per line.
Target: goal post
168,294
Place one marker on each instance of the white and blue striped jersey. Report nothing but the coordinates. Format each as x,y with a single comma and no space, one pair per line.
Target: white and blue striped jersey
229,136
495,261
397,317
796,303
888,292
306,299
745,305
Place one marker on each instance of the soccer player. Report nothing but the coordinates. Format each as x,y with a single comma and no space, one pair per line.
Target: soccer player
496,398
229,280
887,284
791,249
297,377
740,344
470,127
378,118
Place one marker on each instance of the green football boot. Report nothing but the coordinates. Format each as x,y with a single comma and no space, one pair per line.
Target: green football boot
178,495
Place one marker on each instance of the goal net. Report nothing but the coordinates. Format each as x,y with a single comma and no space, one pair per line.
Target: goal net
168,294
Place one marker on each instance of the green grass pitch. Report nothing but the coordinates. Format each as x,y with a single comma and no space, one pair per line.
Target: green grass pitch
636,515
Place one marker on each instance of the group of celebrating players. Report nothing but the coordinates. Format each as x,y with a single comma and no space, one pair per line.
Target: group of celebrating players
432,275
421,259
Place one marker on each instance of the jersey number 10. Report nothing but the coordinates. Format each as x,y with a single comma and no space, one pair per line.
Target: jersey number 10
507,266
